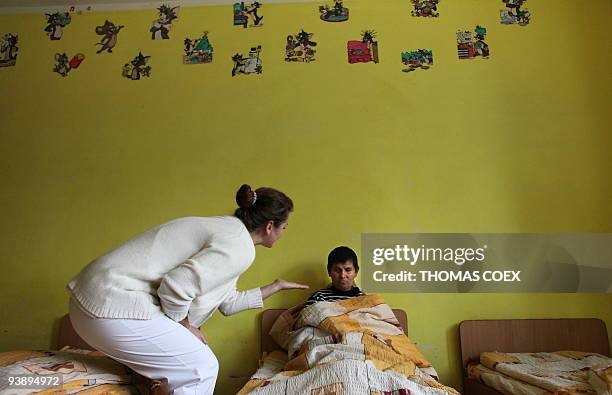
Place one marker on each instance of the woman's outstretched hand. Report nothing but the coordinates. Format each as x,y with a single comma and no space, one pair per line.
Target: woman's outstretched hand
279,285
283,284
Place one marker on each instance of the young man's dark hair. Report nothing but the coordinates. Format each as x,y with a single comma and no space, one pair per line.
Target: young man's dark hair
340,255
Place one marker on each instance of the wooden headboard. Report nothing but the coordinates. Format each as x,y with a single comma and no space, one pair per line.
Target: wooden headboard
69,337
535,335
269,316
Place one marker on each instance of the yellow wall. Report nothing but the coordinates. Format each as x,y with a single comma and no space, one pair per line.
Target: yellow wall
517,143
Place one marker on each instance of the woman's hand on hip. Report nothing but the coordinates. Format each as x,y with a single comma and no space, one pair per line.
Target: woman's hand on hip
196,332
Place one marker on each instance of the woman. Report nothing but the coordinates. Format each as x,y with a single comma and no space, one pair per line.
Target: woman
142,303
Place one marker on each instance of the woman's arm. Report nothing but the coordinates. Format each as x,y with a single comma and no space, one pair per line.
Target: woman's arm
238,301
189,280
279,285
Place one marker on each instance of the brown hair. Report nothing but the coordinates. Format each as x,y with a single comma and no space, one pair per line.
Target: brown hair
258,207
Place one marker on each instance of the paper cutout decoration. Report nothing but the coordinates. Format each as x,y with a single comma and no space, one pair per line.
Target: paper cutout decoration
300,48
137,68
338,13
8,50
250,65
242,14
419,59
64,65
109,32
162,25
56,23
425,8
198,51
365,50
518,17
471,45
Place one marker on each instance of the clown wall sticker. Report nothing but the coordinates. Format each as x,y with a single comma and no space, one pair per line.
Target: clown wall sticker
109,32
162,25
137,68
337,13
56,23
300,48
419,59
198,51
471,45
364,50
425,8
513,14
250,65
63,65
245,12
8,50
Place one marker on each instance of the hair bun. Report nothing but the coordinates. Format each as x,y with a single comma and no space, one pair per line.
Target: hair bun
245,197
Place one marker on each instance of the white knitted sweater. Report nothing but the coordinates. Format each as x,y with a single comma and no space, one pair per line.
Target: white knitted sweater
185,267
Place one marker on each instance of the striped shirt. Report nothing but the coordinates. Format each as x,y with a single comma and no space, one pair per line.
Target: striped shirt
332,294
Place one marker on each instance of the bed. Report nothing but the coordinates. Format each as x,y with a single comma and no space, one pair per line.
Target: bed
355,346
89,371
526,336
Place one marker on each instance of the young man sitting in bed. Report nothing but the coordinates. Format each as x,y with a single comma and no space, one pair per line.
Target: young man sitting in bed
342,267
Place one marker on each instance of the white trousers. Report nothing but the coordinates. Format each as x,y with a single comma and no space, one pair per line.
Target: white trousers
157,348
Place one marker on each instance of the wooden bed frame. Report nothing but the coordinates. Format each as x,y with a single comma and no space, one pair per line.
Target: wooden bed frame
268,317
68,337
528,335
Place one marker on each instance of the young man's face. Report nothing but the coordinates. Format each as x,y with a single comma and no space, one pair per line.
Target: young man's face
343,275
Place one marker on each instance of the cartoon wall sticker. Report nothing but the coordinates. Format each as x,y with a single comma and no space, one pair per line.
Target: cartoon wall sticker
250,65
519,16
56,23
61,67
425,8
299,48
337,13
109,33
419,59
471,44
8,50
198,51
162,25
79,9
137,68
64,65
242,14
365,50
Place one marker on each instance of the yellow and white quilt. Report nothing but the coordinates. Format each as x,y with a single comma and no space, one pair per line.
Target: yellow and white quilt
351,347
545,373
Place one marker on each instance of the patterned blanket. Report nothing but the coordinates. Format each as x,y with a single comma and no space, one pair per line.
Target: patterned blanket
350,347
82,371
561,372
